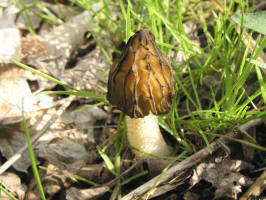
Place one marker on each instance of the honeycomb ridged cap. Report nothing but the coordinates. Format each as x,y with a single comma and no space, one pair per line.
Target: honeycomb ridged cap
141,81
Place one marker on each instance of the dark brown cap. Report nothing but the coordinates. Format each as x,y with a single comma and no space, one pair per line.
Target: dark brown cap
141,81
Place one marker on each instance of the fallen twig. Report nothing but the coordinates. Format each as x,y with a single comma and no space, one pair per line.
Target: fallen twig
256,188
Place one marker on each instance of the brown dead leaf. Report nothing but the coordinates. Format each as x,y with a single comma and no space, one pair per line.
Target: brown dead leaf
9,35
224,175
11,182
13,89
61,42
95,172
88,72
50,181
84,118
63,150
16,94
58,45
10,143
31,46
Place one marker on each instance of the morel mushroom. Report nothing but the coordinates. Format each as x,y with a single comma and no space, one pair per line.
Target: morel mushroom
141,85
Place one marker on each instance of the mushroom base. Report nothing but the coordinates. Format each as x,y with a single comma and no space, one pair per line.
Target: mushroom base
144,134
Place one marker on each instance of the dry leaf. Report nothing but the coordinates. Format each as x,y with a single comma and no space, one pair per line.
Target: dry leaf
11,182
224,176
10,143
9,36
63,150
84,116
89,72
61,42
15,93
14,90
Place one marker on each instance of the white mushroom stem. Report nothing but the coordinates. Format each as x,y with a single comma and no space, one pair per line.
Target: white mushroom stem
144,134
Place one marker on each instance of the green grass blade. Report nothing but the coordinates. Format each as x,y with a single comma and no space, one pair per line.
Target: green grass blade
43,75
110,166
6,192
128,23
260,64
134,177
79,178
262,84
32,157
96,97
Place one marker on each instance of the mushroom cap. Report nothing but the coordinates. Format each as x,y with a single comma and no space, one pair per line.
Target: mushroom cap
141,81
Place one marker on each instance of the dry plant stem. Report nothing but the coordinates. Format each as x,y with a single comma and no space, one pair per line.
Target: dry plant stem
256,188
144,134
185,164
163,189
115,192
35,138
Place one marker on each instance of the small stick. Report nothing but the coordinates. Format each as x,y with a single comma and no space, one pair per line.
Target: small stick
35,138
256,188
187,163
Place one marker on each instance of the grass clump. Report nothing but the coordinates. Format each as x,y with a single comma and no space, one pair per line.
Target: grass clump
214,92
